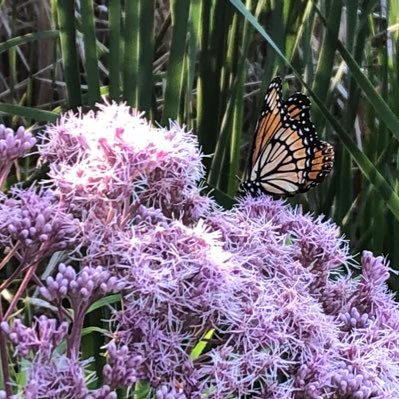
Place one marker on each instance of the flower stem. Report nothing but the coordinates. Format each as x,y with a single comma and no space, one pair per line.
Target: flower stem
4,358
20,290
76,330
10,255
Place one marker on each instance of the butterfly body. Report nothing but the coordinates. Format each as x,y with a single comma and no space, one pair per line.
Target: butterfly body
287,157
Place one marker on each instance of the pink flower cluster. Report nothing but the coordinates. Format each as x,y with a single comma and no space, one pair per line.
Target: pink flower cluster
255,302
114,159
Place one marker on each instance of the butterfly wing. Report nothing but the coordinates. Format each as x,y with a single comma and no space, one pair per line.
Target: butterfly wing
298,106
269,120
322,160
287,156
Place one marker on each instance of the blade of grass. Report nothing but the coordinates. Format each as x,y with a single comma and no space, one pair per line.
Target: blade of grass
326,59
66,22
225,162
365,165
246,33
204,71
216,19
234,53
33,113
114,57
382,109
131,49
303,38
90,46
191,56
355,40
29,37
217,159
176,71
146,54
201,345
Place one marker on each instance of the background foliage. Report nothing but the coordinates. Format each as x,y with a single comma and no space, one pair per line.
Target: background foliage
207,63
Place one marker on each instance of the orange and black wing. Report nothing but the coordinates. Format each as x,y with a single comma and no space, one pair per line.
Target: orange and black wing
298,107
286,156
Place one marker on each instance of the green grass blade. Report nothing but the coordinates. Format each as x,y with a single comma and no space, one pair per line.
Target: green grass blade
326,58
191,56
201,345
204,75
366,166
105,301
249,17
114,58
382,109
141,389
176,71
130,62
216,18
30,37
36,114
90,46
146,54
66,22
225,129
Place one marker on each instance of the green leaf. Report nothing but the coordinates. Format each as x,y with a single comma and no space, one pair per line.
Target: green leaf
30,37
176,68
106,301
90,46
199,348
66,21
27,112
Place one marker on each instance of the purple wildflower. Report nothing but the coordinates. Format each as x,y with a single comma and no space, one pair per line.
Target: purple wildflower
167,392
113,158
83,288
337,295
353,319
258,287
122,370
13,145
254,302
60,378
184,283
372,291
351,384
36,221
105,392
33,225
40,339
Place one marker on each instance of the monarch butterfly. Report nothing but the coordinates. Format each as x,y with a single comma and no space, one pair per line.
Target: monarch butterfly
287,157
